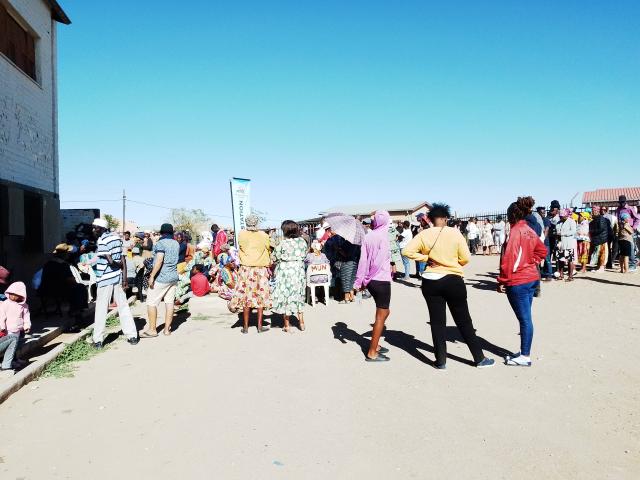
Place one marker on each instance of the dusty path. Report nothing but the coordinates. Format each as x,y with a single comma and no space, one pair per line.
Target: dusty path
208,402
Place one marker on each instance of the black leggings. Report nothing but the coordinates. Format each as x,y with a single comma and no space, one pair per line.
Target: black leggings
450,290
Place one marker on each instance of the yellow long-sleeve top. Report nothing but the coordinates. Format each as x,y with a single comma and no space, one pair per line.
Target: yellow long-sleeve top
444,248
253,249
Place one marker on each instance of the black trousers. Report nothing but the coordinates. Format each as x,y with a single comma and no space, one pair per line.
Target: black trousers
450,290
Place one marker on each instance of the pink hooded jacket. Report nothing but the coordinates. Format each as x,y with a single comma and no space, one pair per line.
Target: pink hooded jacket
375,254
15,316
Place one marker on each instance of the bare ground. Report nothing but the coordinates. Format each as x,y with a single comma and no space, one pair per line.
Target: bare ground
209,403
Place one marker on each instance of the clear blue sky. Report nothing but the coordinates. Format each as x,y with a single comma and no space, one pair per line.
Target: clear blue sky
335,102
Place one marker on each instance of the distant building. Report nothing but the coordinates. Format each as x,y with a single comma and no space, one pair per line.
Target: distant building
29,192
399,211
609,196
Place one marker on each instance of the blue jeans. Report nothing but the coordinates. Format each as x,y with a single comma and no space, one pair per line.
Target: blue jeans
547,270
521,297
407,266
9,345
421,266
632,257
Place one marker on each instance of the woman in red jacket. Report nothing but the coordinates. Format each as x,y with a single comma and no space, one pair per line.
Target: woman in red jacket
519,275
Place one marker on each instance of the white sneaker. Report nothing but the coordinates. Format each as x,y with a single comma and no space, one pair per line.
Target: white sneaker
519,361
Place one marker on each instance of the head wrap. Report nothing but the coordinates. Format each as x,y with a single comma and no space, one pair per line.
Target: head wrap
251,222
565,212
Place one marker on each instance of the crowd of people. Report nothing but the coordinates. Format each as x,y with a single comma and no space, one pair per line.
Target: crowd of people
267,271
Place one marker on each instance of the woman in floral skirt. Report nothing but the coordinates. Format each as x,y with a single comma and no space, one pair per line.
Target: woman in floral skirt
252,288
288,294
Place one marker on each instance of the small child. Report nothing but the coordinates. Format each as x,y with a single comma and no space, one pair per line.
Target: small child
625,241
14,320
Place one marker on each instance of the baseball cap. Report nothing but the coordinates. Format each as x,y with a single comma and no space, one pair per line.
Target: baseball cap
100,222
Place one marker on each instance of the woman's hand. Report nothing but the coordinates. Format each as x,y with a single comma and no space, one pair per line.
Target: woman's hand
501,288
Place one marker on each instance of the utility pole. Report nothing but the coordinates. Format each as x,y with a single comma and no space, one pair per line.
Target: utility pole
124,203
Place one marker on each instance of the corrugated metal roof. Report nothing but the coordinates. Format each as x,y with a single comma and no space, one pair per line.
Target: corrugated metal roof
611,195
57,13
367,208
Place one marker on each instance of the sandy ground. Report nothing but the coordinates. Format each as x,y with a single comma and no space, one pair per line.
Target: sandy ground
209,403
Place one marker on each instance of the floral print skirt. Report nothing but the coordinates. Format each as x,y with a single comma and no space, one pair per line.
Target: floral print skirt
253,287
290,288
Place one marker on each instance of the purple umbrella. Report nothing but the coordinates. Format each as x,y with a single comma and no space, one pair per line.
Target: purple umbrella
347,227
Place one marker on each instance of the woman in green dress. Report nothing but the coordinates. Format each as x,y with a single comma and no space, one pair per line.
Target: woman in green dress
289,292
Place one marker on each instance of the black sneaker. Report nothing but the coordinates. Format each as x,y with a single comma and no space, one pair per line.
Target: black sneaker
133,340
442,366
97,345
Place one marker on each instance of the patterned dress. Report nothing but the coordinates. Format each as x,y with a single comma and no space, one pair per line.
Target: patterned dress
289,292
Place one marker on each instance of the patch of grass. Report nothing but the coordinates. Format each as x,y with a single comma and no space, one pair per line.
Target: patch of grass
200,316
113,321
64,364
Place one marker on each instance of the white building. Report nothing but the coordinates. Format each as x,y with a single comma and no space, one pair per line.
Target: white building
29,192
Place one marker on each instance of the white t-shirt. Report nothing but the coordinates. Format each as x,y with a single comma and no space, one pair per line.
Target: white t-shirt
472,231
405,238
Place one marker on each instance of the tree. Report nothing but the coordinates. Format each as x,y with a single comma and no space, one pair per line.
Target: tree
112,222
192,221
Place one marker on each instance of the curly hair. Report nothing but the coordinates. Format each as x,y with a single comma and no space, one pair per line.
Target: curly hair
519,209
439,210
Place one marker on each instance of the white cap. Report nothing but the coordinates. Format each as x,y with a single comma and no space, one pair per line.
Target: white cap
325,225
100,222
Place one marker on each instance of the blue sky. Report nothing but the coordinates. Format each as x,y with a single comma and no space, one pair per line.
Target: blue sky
336,102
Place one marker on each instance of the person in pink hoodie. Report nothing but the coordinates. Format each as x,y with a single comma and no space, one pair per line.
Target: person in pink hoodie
374,274
14,320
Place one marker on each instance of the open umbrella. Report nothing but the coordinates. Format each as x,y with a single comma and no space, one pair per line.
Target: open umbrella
347,227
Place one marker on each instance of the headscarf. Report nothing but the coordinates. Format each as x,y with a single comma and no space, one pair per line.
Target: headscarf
251,223
624,216
565,212
381,219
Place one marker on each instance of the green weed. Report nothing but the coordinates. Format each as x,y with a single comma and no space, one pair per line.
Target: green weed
64,364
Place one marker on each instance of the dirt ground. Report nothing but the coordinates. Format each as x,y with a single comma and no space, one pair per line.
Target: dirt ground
210,403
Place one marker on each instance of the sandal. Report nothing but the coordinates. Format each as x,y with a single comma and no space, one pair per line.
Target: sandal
263,329
245,330
146,334
164,332
383,350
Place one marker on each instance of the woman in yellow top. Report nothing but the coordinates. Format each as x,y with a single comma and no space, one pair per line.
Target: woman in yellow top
252,288
446,252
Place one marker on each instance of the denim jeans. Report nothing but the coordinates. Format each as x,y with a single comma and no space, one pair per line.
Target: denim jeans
9,345
632,257
407,266
547,269
521,297
420,266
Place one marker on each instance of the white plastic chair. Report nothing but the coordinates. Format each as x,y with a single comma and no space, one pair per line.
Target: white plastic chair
319,269
87,283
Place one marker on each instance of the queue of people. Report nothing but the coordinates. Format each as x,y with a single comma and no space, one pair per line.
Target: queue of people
268,272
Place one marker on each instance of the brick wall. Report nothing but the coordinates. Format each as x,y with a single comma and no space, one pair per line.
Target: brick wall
28,109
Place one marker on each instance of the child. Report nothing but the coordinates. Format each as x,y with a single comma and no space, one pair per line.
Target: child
14,319
625,235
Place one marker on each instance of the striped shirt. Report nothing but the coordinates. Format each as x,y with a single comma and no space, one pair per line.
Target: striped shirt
108,244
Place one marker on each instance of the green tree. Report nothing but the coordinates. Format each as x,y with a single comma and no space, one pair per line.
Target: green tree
192,221
112,222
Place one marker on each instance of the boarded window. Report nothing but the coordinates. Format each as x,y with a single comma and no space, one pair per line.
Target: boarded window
17,43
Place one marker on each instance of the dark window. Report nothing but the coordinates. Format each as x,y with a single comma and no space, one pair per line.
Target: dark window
33,223
17,44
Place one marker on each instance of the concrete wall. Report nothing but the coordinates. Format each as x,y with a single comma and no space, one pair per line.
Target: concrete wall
28,109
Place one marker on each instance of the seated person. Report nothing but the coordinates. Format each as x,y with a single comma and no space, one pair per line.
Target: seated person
59,283
199,282
316,257
227,279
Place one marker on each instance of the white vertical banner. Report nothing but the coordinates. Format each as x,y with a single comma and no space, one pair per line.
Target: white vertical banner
240,202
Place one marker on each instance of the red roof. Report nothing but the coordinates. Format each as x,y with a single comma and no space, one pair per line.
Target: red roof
611,195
